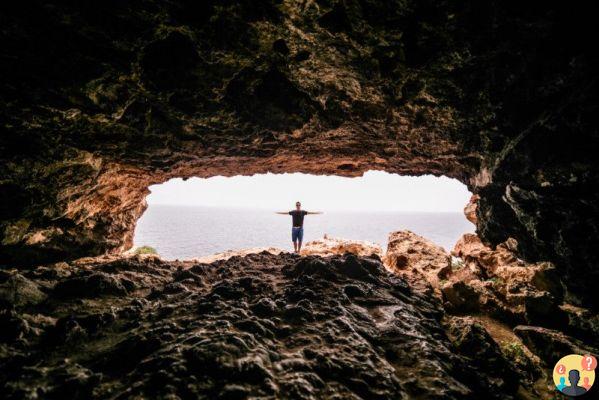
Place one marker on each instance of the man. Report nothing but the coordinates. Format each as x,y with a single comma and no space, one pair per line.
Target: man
297,228
574,389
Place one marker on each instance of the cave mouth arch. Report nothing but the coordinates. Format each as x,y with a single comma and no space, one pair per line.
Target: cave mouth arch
194,218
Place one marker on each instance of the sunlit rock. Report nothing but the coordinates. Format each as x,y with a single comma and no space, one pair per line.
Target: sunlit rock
225,255
470,209
416,259
337,246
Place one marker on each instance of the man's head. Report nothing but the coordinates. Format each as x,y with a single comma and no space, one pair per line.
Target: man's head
298,205
574,377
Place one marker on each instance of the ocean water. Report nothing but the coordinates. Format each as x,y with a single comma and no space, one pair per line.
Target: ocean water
182,232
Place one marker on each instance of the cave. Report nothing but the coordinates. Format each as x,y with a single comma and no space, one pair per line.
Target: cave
197,218
102,100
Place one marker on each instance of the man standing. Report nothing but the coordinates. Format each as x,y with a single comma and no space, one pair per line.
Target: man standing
297,228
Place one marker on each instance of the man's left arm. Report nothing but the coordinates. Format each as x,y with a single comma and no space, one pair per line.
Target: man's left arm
313,212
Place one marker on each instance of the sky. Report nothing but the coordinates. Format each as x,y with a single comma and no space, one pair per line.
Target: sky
375,191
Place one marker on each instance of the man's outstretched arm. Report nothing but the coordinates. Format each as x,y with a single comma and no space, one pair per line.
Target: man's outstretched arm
282,212
314,212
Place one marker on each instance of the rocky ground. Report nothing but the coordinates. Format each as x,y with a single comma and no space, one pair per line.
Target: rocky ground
259,326
521,306
99,100
330,245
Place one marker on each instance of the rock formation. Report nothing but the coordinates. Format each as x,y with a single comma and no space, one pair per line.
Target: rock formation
494,283
266,325
497,283
418,260
330,246
470,209
225,255
100,100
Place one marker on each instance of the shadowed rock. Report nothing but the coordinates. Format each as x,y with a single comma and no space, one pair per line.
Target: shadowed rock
99,101
90,285
262,325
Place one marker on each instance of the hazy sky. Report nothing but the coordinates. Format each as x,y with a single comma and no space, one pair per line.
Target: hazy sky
375,191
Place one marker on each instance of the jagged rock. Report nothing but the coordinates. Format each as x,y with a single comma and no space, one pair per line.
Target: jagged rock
178,89
260,325
18,291
333,246
513,290
13,326
551,345
100,100
461,297
542,308
492,261
232,253
417,259
472,340
90,285
470,209
582,323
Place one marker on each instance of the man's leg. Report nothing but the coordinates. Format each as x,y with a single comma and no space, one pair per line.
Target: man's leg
294,235
300,237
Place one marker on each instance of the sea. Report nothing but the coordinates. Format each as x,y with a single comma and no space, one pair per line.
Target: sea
185,232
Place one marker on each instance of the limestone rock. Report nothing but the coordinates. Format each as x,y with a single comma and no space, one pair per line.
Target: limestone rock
92,284
181,88
262,325
511,289
417,259
17,291
337,246
470,209
225,255
551,345
472,339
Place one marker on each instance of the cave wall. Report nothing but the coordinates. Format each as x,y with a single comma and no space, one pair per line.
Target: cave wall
100,100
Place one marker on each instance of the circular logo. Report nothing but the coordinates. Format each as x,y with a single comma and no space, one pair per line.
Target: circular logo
574,374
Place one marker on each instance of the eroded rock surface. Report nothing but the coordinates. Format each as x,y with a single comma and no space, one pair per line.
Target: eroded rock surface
418,260
99,100
262,325
470,209
338,246
500,284
502,313
225,255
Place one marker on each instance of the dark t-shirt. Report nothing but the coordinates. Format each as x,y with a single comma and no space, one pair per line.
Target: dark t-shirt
298,217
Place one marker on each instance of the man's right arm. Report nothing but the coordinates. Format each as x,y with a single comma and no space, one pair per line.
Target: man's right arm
282,212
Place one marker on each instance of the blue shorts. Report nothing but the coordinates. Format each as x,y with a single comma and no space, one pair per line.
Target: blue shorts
297,234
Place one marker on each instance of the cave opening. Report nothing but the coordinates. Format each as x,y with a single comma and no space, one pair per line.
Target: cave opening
199,217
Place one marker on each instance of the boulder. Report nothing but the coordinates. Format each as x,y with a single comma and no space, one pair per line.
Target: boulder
13,326
418,260
225,255
507,287
90,285
473,340
551,345
17,291
336,246
470,209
